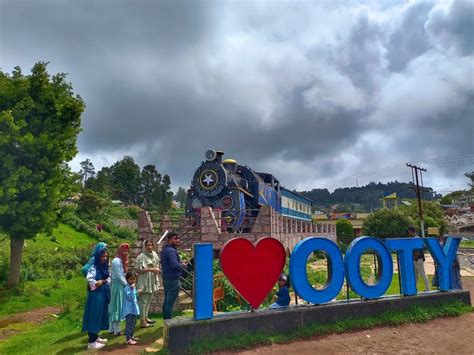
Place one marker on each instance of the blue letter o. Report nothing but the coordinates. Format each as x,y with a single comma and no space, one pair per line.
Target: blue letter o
299,278
352,267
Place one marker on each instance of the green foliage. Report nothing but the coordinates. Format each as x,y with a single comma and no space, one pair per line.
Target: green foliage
367,197
467,244
387,223
125,180
344,231
91,203
432,214
39,121
87,170
58,335
119,232
80,225
101,183
449,198
181,196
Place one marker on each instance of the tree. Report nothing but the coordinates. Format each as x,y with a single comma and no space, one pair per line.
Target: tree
91,203
125,180
449,198
432,214
166,194
101,183
344,231
87,170
387,223
39,124
181,196
150,182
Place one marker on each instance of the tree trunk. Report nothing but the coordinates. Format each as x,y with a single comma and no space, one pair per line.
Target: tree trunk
16,253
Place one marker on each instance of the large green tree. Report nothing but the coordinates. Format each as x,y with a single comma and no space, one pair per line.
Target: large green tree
387,223
39,124
125,180
150,184
181,196
166,193
344,231
87,170
432,214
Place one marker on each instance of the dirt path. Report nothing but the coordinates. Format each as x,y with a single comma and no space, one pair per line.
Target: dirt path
442,336
12,324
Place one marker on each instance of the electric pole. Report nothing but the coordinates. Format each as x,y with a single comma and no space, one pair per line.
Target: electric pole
418,189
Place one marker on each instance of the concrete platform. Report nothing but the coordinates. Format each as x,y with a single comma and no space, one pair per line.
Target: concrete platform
179,333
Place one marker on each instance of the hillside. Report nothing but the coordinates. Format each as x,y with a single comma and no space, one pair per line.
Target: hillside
364,198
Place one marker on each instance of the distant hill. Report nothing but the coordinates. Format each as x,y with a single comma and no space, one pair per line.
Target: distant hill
366,197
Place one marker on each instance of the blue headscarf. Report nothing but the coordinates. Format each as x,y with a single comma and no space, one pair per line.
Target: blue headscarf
102,269
87,266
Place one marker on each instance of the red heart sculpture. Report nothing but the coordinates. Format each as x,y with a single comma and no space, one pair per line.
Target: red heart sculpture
253,270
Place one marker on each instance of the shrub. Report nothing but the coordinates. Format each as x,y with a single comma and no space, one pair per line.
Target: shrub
344,231
387,223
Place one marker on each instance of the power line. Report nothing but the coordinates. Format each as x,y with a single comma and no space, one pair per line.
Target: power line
399,170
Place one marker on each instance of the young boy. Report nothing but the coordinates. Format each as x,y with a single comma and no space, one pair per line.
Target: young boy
130,309
283,294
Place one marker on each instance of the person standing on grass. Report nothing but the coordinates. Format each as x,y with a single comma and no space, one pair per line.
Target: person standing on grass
90,262
147,265
130,309
119,269
172,268
96,315
419,259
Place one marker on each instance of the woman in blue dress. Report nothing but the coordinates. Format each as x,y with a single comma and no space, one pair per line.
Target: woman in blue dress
119,269
96,315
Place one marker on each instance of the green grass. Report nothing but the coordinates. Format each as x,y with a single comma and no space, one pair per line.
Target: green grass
467,244
60,335
416,314
42,293
64,336
62,236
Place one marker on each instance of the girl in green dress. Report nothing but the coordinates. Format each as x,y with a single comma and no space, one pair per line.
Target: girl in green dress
147,265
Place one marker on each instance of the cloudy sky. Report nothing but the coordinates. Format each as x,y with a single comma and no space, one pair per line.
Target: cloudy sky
317,93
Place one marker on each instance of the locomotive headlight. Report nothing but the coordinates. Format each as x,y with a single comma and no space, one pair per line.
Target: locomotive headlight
211,155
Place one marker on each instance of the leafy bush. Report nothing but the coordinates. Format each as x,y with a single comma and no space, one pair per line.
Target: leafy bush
78,224
387,223
62,263
119,232
344,231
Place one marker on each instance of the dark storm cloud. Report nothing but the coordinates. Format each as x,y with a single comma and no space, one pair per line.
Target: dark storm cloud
308,92
410,39
454,26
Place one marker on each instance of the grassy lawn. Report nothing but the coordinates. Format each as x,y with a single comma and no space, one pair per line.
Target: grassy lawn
467,244
42,293
60,335
63,336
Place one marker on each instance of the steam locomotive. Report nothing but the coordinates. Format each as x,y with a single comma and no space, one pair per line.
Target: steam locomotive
239,192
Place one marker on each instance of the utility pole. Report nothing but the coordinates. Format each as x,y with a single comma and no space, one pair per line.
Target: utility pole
418,189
